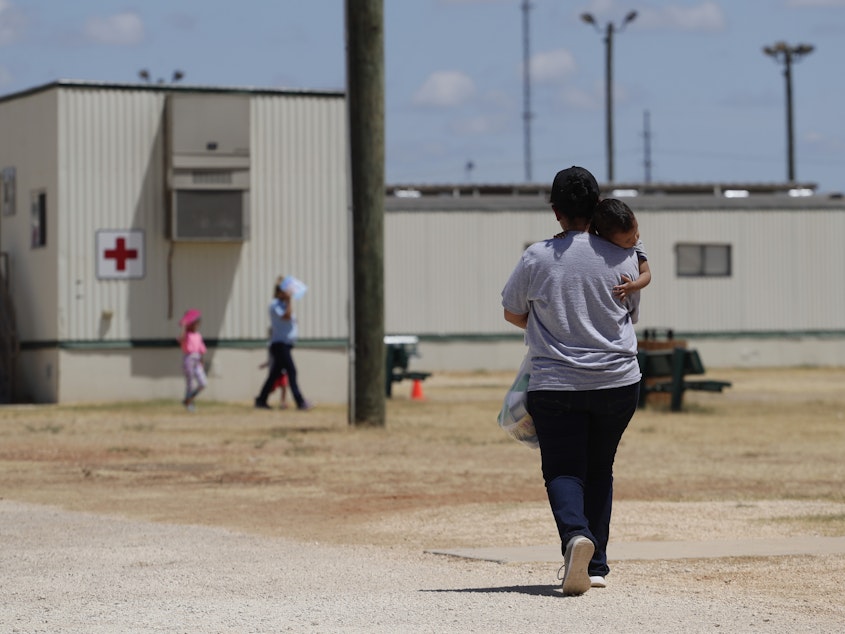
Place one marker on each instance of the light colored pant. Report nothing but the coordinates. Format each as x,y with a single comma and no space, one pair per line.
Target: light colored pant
195,378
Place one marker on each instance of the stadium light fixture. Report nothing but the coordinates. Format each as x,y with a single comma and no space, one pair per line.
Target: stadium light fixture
785,54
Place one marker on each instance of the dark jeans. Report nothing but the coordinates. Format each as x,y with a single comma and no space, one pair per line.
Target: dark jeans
282,360
579,433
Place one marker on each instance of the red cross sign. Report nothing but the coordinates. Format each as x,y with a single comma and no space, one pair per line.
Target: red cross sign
120,254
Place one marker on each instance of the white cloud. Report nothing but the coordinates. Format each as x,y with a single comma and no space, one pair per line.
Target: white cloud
120,29
479,125
12,23
445,88
553,65
580,99
706,16
594,98
815,3
824,142
602,7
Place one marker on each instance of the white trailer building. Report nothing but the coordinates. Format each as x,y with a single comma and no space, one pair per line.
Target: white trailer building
751,280
125,205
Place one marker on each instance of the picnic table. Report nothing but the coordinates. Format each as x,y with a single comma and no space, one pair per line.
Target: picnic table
665,371
399,350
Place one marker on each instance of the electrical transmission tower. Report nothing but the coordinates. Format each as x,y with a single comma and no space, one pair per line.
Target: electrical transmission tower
526,84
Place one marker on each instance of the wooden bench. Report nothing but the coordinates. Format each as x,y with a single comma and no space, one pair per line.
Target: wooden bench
399,350
665,371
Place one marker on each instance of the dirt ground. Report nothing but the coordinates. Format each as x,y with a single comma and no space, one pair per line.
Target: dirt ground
763,459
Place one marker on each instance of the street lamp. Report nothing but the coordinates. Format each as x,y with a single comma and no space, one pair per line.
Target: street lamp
178,75
610,28
785,54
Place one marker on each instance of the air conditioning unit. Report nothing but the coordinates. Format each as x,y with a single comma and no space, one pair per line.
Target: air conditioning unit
209,215
209,205
208,167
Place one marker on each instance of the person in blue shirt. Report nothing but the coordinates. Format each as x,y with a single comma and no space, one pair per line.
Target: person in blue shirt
283,336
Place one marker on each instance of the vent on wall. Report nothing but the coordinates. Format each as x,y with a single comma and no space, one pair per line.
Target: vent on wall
210,215
212,178
208,158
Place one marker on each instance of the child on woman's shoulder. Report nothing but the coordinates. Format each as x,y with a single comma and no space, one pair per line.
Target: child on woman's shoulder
614,221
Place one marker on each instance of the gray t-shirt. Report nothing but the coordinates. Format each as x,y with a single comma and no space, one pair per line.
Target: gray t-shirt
579,335
639,249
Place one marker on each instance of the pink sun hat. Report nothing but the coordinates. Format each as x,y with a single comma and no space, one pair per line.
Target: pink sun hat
191,315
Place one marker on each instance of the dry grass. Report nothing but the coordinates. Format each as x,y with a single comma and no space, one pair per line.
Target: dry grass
441,473
762,460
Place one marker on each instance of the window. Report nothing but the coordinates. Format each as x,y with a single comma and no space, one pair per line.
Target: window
703,260
38,222
7,191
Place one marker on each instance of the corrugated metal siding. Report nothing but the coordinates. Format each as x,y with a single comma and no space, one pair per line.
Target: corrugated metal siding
28,133
300,197
785,271
445,270
112,158
111,176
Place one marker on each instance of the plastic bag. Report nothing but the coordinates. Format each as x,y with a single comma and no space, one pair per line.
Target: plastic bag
513,417
296,288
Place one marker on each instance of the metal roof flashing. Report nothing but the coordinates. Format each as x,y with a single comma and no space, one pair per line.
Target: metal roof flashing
165,87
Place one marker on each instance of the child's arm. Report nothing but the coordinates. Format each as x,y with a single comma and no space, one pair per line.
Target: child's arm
629,286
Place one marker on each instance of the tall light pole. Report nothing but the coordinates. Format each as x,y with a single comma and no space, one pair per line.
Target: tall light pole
785,54
610,29
178,75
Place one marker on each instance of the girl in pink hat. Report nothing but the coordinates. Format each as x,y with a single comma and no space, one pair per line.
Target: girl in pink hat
193,351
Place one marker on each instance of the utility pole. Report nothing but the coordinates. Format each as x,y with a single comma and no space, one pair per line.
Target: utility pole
365,94
526,83
786,55
610,29
647,146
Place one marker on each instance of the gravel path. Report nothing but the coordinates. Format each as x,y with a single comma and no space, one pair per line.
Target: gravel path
75,572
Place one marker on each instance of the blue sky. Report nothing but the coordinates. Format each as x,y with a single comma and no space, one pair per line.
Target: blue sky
454,77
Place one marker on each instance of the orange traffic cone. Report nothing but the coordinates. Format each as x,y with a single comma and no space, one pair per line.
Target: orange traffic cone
416,391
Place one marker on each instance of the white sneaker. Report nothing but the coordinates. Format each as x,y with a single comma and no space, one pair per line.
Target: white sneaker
597,581
576,559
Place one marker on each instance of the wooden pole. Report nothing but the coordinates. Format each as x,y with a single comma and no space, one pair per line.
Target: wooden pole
365,99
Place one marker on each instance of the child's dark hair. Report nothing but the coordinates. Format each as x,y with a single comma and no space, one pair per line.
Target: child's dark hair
610,217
